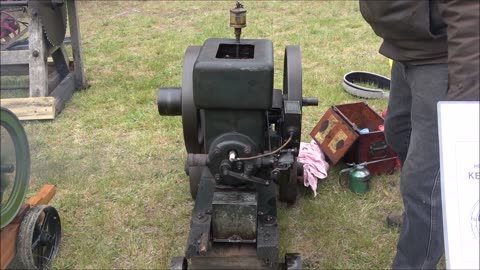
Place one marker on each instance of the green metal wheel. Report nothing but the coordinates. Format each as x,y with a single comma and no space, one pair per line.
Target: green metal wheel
14,166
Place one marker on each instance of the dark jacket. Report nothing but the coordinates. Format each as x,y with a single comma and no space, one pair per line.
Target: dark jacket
429,32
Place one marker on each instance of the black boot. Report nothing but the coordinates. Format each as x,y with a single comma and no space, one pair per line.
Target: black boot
396,219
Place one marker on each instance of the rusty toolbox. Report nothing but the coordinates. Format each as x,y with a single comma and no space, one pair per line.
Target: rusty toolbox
350,132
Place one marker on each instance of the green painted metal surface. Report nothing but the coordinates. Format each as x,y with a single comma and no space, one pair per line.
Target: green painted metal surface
12,131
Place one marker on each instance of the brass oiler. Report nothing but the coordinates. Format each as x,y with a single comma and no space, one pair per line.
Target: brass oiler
238,19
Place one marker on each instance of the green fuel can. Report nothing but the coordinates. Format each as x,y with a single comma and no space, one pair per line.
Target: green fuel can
357,178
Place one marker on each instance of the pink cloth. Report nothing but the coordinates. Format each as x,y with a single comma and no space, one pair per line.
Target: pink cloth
314,164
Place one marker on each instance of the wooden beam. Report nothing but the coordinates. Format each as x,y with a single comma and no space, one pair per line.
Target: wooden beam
36,108
38,71
14,57
17,70
8,242
80,80
64,92
43,196
14,70
60,59
53,80
8,237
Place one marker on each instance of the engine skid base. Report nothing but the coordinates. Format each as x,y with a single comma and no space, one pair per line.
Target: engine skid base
214,214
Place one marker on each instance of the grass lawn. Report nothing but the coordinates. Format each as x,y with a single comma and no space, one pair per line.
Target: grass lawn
119,167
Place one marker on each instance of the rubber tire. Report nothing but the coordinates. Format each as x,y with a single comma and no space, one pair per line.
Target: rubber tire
24,257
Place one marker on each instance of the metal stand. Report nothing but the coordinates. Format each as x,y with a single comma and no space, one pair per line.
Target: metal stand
212,213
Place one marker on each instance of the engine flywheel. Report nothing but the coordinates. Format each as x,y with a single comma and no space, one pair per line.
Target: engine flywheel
15,166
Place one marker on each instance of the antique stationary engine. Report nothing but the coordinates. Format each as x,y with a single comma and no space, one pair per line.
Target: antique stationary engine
242,137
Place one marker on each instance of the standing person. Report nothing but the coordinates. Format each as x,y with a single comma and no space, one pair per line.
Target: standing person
435,48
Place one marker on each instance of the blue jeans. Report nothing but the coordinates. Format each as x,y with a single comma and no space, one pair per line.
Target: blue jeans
411,130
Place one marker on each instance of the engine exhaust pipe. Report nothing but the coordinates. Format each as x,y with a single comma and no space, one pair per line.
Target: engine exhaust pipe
169,101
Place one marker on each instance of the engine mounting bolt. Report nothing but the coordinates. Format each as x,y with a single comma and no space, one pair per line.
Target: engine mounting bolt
217,176
247,150
35,53
216,151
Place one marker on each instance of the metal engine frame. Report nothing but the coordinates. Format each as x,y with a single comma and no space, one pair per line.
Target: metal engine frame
242,149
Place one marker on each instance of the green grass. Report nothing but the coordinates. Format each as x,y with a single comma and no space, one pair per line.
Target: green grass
122,193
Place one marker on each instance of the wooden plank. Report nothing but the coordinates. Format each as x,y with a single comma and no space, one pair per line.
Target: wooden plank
14,57
8,242
8,237
38,72
14,70
36,108
53,80
17,70
64,92
80,79
43,196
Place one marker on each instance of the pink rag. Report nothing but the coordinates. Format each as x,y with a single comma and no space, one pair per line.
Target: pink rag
314,164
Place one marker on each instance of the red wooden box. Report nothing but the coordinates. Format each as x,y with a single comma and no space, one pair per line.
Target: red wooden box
338,135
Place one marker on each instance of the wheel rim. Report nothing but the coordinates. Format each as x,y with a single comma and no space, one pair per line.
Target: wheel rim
10,123
39,237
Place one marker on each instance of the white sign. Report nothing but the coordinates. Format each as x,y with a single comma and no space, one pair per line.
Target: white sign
459,132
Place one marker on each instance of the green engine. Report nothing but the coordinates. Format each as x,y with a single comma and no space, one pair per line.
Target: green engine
242,137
